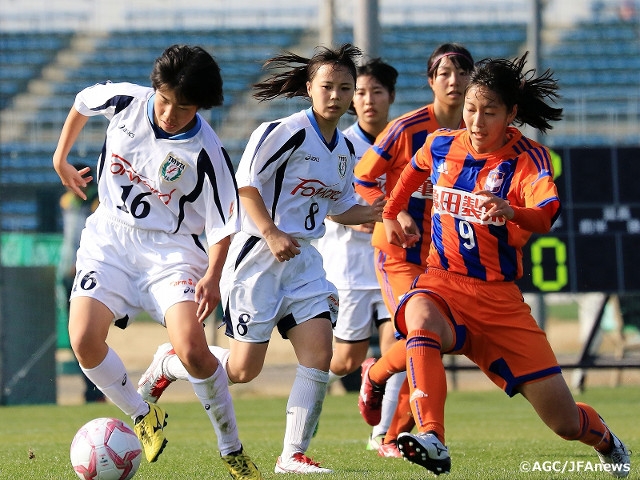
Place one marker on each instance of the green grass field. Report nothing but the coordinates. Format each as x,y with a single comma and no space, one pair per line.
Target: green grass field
488,434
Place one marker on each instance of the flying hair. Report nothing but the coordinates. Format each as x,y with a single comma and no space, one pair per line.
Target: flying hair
514,85
292,71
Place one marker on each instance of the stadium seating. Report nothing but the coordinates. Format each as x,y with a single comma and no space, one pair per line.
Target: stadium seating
597,64
22,57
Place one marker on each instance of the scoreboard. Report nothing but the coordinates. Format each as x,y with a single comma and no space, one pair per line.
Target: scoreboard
594,245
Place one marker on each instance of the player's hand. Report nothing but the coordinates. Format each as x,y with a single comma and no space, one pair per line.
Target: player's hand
207,296
282,245
408,224
74,180
397,236
378,206
494,206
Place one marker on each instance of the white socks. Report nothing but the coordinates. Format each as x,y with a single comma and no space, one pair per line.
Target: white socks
334,377
213,393
222,354
303,409
389,403
112,379
174,369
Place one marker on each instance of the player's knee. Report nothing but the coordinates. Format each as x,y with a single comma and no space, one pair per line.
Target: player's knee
421,313
84,346
342,367
242,375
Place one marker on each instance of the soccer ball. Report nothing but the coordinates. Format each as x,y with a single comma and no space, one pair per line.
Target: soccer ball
105,449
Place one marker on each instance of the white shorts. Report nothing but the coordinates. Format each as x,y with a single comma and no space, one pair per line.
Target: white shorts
259,293
132,270
361,312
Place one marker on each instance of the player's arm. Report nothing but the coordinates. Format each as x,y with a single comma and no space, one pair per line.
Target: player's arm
359,214
367,171
71,178
538,204
282,245
411,178
208,288
537,219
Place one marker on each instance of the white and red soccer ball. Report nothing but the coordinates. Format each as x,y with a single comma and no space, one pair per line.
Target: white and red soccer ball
105,449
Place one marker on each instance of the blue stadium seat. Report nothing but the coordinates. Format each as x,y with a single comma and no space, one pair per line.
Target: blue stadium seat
22,57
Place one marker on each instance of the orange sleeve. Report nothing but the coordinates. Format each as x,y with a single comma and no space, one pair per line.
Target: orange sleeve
410,180
535,219
367,171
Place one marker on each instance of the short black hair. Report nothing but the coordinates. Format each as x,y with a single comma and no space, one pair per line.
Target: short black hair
386,74
192,73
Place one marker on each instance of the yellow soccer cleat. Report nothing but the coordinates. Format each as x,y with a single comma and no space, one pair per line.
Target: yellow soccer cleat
149,430
241,467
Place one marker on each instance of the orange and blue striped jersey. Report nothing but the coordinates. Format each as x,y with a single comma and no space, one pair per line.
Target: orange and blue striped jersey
393,149
461,242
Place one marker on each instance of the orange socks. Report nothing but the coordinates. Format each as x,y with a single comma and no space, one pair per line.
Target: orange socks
427,381
393,361
593,431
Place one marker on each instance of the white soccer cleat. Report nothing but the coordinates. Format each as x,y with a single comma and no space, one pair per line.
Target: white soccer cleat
155,381
426,450
617,462
299,463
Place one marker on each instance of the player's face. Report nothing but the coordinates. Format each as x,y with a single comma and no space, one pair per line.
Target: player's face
487,119
371,102
170,115
448,84
331,92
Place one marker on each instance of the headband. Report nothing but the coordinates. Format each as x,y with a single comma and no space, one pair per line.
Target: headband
450,54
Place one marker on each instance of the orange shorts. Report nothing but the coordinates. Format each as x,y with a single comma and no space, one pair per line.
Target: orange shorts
492,326
395,277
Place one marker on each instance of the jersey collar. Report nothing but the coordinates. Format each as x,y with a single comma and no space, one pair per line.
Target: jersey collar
362,134
334,141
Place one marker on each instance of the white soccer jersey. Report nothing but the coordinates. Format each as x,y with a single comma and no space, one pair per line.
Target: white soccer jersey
300,177
348,254
184,184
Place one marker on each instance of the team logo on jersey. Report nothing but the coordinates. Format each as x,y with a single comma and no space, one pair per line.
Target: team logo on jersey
172,168
494,181
342,165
